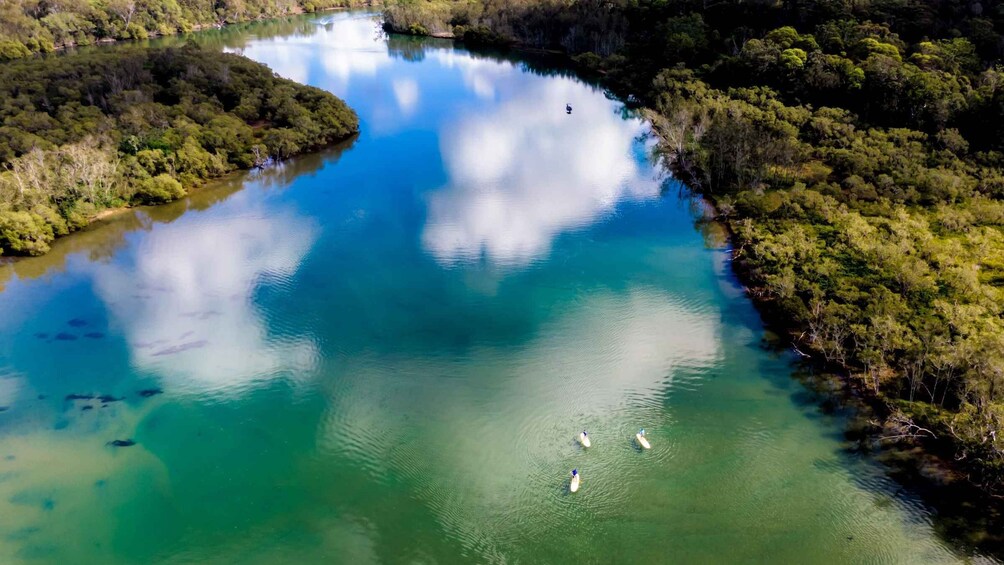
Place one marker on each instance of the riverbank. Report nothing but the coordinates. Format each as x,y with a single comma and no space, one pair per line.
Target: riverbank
848,268
923,460
196,28
915,457
142,126
874,430
45,29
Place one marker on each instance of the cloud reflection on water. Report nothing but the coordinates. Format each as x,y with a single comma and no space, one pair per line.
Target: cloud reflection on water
520,172
605,364
406,92
524,171
185,300
345,47
10,385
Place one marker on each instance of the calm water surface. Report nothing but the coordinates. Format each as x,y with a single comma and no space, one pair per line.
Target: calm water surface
382,353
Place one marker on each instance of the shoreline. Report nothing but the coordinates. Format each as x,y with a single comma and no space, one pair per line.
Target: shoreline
196,199
261,140
108,214
196,28
69,49
925,467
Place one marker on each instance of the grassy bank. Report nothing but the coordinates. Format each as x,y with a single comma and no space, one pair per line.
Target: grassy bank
855,150
87,132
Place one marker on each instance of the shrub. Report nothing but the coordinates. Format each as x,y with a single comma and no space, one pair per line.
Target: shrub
10,50
24,233
159,189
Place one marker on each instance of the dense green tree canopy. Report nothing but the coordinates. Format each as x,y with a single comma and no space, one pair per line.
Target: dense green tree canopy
83,132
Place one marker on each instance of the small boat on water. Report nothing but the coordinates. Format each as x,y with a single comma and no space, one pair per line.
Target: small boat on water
574,484
642,440
584,439
568,108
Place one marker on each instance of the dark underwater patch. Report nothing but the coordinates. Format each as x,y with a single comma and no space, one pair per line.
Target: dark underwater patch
183,347
122,443
203,315
63,336
22,533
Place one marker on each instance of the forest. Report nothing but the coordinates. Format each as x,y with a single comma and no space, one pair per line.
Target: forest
40,26
84,132
856,151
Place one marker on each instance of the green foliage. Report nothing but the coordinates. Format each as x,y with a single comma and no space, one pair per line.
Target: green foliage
426,18
685,36
870,46
577,27
28,26
10,50
159,189
793,59
878,246
24,232
787,38
83,132
482,36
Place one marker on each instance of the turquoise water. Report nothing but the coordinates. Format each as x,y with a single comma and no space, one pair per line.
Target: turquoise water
383,353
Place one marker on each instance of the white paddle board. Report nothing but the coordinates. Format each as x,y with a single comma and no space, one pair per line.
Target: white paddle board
642,441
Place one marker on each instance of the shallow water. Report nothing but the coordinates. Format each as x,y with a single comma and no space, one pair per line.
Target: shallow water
383,353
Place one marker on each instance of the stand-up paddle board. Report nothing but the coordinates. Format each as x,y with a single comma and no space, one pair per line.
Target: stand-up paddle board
640,436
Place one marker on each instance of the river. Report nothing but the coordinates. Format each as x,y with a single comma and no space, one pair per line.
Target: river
383,353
